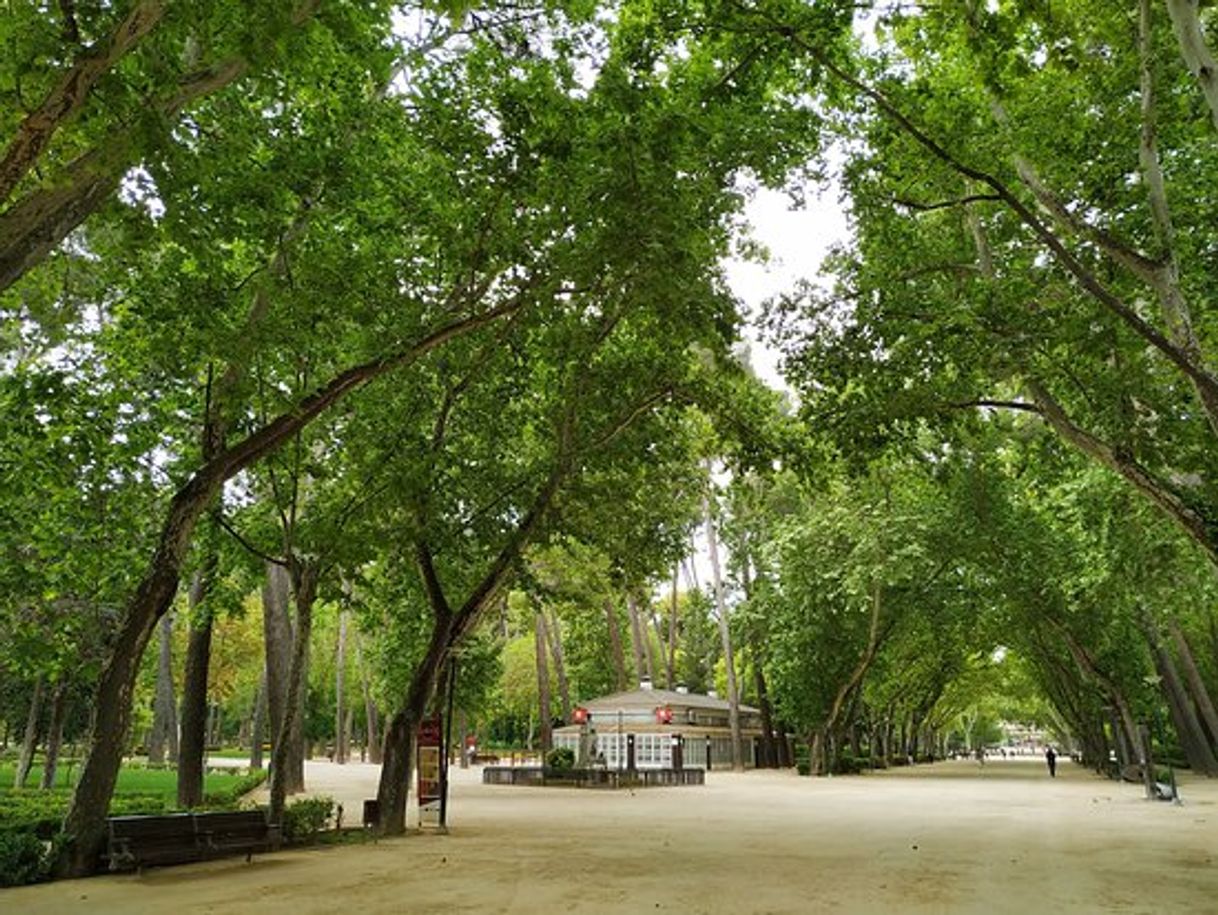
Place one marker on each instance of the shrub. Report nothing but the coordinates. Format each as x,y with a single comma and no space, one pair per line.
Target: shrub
879,762
846,764
304,819
231,795
561,758
23,858
803,763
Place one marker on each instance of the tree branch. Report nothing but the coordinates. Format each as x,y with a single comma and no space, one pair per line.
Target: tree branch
68,96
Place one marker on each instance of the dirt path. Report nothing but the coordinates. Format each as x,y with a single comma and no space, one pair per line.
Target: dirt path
945,838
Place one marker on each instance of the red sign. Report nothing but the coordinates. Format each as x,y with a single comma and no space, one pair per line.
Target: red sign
664,714
430,733
579,715
428,763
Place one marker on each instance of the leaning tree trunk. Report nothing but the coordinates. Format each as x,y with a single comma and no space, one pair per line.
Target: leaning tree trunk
164,742
397,767
768,749
615,645
1200,756
340,704
258,728
59,706
1196,685
192,747
29,743
725,634
543,684
304,581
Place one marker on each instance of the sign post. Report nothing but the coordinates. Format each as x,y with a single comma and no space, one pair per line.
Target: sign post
428,767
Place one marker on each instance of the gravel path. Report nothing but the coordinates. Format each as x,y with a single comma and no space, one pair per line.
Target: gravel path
952,837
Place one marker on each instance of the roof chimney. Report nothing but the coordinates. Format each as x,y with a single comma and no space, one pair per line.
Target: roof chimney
645,683
712,694
682,689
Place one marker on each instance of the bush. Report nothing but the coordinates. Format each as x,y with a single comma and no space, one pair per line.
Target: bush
231,795
561,758
803,762
879,762
846,764
306,818
23,858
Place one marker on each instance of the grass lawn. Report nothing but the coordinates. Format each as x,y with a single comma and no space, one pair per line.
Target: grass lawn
130,781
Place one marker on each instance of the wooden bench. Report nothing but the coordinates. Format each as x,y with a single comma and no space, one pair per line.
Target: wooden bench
178,838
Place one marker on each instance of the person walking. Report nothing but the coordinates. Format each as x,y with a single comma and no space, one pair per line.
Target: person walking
1051,759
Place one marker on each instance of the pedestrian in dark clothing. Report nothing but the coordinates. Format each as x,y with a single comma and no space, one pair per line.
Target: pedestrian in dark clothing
1051,759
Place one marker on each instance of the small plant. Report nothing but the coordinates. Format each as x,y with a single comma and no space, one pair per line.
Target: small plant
561,758
22,858
305,819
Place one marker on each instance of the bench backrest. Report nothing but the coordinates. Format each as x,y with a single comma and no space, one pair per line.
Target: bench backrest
152,827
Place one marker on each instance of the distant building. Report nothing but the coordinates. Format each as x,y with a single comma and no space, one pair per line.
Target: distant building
649,728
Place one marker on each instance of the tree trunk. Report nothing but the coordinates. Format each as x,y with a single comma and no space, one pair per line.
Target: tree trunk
398,766
59,705
29,743
340,711
1188,728
543,684
615,645
280,641
304,586
1196,685
769,752
192,748
258,728
725,634
554,638
642,658
372,740
164,742
670,660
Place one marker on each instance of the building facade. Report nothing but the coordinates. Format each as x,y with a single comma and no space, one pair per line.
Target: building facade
650,728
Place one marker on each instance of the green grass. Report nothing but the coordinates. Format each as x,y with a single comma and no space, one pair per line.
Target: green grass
130,781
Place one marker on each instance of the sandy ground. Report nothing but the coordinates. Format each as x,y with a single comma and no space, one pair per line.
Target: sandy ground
946,838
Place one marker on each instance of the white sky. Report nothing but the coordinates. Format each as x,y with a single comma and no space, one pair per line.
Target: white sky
798,241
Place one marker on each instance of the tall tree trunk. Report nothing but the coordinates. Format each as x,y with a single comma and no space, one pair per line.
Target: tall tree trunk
164,742
769,752
554,637
304,587
29,742
615,645
192,748
277,629
1196,685
670,660
1188,727
258,728
543,683
371,737
642,658
59,705
725,634
340,716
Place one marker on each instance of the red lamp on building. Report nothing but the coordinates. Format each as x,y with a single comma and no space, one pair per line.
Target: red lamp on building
663,715
579,715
